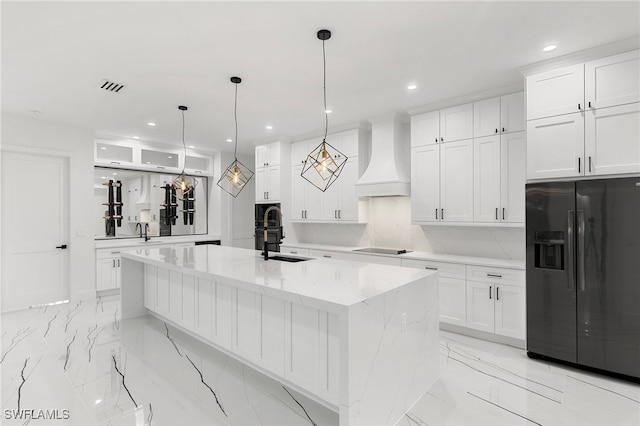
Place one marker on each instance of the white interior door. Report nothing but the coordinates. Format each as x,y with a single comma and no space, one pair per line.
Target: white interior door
35,217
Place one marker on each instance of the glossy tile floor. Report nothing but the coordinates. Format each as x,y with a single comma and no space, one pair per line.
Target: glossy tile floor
80,364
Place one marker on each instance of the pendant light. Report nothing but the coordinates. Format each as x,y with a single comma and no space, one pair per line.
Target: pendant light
325,163
237,175
183,182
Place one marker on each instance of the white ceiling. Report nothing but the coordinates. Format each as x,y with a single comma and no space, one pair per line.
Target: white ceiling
54,54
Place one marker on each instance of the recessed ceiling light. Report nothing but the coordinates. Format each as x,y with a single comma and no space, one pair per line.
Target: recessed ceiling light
328,111
191,146
549,48
151,123
148,162
115,174
412,87
229,140
35,112
269,127
168,156
98,401
103,177
136,137
103,147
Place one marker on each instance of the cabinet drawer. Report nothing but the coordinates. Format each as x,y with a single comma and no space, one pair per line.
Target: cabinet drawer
107,254
495,275
330,254
295,250
381,260
451,270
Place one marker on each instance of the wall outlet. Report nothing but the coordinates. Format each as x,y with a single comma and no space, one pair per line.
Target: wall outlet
403,322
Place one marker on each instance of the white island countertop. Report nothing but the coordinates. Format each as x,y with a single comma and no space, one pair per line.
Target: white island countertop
327,283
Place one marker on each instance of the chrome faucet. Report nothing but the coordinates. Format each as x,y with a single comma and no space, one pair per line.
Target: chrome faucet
146,230
266,232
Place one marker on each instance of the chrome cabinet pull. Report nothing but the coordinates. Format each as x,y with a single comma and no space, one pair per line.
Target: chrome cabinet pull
113,263
442,214
490,287
436,214
495,275
339,214
497,293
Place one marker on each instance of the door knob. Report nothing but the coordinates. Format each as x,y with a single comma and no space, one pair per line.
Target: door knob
63,247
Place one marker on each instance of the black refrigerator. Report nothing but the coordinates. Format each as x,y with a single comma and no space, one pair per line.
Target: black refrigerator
583,273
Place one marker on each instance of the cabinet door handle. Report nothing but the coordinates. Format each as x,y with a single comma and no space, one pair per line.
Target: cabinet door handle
441,139
503,130
339,214
589,164
436,140
495,275
579,164
327,256
436,214
293,252
503,209
579,107
589,104
496,213
117,163
442,214
113,263
431,267
160,167
335,214
305,214
496,130
497,293
118,263
490,287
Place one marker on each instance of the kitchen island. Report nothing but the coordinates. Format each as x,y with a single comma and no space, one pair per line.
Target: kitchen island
359,338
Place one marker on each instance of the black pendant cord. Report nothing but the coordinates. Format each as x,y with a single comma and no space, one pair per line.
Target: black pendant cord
324,89
184,145
235,117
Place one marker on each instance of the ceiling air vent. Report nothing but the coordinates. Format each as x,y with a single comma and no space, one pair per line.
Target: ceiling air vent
110,86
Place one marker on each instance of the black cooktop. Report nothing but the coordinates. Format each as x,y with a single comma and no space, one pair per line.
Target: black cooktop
382,250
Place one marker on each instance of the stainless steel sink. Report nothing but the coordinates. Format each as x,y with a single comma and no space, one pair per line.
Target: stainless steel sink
288,258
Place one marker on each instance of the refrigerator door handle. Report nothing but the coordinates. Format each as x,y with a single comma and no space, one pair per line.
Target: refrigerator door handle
570,250
581,251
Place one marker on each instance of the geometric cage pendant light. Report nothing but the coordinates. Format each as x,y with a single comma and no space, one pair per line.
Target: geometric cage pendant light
324,163
183,182
237,175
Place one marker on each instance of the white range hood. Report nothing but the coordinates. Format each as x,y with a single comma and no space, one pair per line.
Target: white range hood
388,172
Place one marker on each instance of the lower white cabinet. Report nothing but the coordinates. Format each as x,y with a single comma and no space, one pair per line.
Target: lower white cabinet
331,254
108,270
451,289
496,301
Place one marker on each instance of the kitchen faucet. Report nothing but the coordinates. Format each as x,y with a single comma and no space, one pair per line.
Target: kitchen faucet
146,230
266,232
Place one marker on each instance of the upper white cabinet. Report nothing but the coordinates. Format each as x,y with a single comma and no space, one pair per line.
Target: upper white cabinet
442,182
499,115
270,160
600,135
613,80
339,202
446,125
456,123
499,178
425,129
143,156
556,92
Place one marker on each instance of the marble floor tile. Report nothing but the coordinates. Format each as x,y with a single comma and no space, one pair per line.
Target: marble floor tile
79,364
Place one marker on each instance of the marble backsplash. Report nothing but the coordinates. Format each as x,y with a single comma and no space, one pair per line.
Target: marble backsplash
390,226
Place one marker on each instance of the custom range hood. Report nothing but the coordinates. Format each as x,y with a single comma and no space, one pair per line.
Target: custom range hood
388,173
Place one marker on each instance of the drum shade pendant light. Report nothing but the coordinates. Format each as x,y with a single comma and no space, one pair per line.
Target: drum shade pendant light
183,182
237,175
325,163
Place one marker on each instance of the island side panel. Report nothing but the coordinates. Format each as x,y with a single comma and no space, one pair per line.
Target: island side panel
389,353
132,289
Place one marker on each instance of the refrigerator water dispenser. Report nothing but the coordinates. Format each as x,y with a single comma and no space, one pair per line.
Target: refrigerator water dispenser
549,249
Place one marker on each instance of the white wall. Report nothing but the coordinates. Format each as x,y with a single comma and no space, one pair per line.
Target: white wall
25,134
390,226
243,222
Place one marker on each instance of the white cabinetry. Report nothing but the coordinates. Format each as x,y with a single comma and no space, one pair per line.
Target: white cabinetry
442,182
584,119
451,288
499,115
108,270
496,301
113,153
269,165
499,178
456,123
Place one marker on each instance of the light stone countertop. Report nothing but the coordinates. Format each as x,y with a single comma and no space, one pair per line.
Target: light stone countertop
339,283
134,242
419,255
